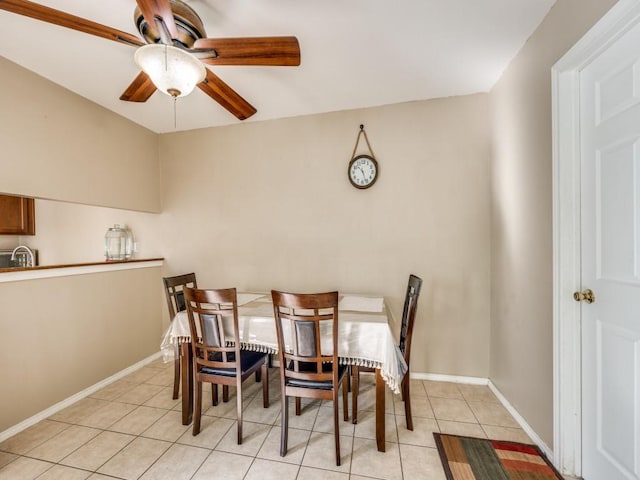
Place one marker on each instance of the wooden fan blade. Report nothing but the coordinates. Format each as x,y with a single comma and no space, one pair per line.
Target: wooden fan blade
274,51
57,17
151,9
139,90
226,96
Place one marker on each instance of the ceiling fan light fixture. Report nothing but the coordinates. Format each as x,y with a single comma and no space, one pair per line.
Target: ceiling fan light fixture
172,70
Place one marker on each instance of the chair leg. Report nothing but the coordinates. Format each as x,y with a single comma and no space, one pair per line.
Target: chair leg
406,397
265,385
345,398
258,376
214,394
355,387
348,379
176,371
225,393
336,427
198,408
239,408
186,382
298,405
284,424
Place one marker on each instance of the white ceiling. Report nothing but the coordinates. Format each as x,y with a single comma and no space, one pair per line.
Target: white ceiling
355,54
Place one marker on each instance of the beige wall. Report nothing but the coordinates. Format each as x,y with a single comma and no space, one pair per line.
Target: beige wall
58,145
268,205
62,335
521,242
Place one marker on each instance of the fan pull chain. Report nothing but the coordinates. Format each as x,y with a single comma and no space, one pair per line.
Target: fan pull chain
175,116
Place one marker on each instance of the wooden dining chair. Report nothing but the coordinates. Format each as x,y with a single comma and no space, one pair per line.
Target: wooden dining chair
173,288
216,358
307,333
406,332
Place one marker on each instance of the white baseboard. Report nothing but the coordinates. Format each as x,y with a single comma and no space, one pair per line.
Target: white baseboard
438,377
485,381
74,398
522,422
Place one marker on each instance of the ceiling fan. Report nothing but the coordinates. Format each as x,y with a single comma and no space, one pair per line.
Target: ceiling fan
176,25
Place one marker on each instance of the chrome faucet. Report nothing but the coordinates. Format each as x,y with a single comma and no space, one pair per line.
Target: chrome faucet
31,259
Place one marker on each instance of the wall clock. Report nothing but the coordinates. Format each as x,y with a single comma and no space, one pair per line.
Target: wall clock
363,171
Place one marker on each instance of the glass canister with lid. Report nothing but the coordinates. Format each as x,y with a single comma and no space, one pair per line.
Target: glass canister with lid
115,243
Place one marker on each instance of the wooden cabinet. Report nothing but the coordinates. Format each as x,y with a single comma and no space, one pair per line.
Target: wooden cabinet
17,215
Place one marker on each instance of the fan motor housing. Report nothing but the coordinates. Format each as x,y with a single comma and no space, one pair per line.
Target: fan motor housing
188,23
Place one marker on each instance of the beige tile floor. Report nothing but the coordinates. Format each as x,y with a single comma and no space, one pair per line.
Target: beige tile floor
132,429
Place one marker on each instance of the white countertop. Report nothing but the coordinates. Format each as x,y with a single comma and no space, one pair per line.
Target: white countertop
31,273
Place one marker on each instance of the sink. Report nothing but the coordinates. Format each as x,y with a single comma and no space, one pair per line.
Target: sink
19,262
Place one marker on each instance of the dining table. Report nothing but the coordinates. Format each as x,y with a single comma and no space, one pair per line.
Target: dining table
365,338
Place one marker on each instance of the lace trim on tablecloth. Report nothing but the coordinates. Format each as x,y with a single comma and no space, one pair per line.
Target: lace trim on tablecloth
389,379
255,348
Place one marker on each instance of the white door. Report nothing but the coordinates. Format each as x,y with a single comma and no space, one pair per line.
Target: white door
610,205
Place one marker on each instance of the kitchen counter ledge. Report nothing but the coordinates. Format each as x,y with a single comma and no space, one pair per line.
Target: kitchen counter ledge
48,271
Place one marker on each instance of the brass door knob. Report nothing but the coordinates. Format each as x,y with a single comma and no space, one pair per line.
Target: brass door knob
584,296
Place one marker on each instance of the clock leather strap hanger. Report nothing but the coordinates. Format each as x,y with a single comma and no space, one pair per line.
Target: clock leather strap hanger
366,139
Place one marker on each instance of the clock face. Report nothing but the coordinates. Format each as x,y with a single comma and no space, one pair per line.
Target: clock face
363,171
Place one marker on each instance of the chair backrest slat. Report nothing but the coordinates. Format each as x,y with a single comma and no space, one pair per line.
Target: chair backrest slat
409,315
174,291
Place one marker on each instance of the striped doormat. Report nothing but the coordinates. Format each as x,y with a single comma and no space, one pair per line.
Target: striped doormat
467,458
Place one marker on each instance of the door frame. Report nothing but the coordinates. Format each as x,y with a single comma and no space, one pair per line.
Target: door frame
565,81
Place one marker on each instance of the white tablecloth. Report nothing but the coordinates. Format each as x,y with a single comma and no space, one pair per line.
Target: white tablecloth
364,337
